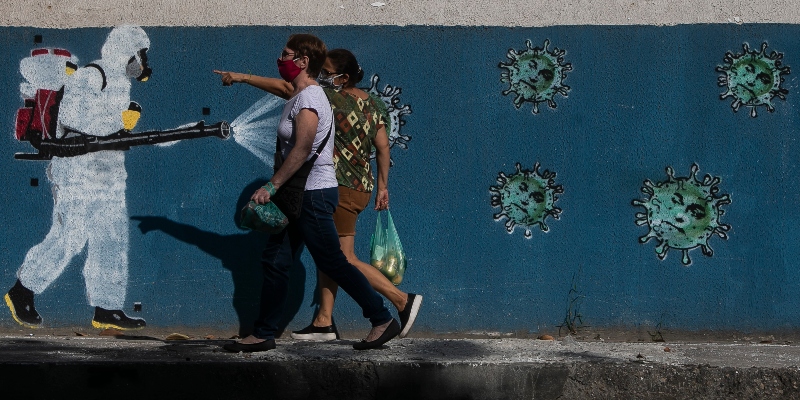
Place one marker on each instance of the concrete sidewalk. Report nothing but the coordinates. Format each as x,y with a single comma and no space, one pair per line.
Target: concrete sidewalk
140,367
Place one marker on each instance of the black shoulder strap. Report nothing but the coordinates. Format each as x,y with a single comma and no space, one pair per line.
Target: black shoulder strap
321,146
103,73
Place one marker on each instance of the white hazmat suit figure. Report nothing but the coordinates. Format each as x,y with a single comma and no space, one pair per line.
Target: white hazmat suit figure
89,190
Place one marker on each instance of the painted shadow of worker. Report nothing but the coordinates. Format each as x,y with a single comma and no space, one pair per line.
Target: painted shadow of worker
240,254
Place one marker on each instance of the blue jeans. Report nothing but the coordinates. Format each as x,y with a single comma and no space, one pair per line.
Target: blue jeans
316,230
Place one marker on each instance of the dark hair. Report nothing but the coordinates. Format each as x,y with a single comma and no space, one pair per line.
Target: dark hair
345,63
310,46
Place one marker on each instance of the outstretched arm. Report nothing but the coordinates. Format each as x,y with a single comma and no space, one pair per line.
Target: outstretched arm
278,87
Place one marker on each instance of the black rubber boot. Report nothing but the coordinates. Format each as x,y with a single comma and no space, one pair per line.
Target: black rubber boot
20,301
115,319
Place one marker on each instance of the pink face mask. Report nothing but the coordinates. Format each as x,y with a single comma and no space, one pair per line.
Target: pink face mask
288,70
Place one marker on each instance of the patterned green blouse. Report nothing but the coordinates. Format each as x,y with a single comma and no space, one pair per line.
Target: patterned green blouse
357,122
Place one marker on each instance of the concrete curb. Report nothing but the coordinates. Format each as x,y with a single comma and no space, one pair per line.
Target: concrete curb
140,367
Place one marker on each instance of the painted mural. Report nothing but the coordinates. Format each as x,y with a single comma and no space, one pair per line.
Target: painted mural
526,198
390,98
250,127
535,75
117,154
753,78
70,116
683,213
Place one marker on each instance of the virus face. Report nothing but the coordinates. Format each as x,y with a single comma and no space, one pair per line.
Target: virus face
535,75
682,213
526,198
753,78
390,99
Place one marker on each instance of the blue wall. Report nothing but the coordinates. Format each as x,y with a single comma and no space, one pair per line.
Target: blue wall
640,99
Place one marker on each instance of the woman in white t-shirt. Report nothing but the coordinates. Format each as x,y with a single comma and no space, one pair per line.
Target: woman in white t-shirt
305,125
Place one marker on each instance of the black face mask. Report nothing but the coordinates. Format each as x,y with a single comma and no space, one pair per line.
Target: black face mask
139,69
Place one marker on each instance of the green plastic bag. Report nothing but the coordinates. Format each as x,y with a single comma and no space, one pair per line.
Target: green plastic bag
266,218
386,250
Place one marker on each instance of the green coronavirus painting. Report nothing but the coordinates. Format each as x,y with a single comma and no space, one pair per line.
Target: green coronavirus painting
682,213
535,75
526,198
753,78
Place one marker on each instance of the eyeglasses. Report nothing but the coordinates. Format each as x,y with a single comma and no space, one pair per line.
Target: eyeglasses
326,74
285,54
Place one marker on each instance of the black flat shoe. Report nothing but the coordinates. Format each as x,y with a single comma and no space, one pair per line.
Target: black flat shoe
236,347
409,314
312,332
391,331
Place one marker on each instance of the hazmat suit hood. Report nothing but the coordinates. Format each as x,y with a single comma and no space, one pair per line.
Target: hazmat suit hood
126,47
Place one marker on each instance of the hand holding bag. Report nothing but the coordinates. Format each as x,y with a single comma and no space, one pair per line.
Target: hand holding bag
386,250
266,218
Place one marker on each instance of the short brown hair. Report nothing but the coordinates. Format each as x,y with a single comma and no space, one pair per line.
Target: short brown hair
310,46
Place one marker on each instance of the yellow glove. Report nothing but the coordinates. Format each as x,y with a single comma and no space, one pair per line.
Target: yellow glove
131,116
70,68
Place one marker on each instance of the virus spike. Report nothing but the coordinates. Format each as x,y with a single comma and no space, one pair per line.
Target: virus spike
510,224
528,234
707,250
685,260
646,238
693,171
722,230
502,178
670,173
661,250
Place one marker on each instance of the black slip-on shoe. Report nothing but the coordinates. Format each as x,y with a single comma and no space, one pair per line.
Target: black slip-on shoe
115,319
312,332
391,331
19,300
409,314
236,347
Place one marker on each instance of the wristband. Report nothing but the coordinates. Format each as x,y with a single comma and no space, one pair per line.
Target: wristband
270,188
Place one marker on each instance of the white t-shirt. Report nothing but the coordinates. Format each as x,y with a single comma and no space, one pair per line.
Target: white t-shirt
323,174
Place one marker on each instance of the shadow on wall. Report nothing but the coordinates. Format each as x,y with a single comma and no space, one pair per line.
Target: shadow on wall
240,254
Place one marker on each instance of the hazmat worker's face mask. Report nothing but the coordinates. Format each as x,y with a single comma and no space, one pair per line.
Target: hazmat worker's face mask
137,67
